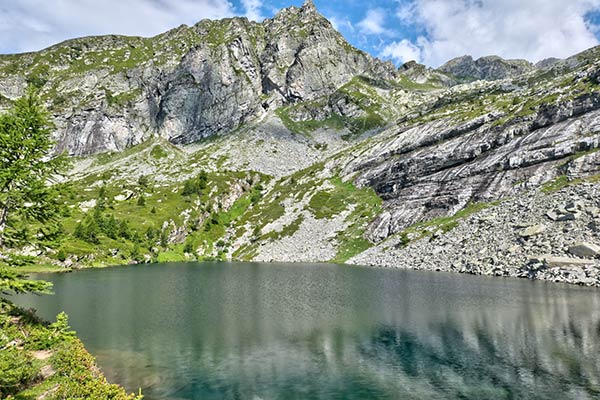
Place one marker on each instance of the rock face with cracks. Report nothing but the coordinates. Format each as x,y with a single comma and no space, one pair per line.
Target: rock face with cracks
437,168
109,93
487,68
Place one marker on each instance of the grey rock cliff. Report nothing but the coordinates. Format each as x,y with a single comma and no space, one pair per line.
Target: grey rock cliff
436,169
108,93
487,68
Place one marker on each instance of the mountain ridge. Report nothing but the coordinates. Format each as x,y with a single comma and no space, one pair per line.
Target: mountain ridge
141,72
316,151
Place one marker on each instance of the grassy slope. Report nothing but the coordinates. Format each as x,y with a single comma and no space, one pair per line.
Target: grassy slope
202,216
207,225
325,197
214,229
207,229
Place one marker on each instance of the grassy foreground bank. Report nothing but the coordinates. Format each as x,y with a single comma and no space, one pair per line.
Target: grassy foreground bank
40,360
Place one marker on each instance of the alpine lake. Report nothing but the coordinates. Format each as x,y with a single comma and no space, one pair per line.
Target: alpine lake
320,331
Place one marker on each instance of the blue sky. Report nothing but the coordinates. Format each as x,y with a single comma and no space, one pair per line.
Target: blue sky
429,31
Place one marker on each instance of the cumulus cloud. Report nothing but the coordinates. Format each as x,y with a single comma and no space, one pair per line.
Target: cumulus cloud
341,23
402,51
374,22
28,25
253,9
532,29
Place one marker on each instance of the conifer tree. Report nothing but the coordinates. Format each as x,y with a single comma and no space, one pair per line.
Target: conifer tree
27,166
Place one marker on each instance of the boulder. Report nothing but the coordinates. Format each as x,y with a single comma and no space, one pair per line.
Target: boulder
533,230
569,216
585,249
561,261
574,206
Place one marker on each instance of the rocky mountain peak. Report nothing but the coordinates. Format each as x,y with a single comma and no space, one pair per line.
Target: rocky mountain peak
189,83
294,16
309,6
411,65
487,68
422,74
547,62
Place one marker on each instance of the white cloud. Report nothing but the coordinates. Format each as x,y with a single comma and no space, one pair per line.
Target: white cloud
402,51
341,23
27,25
532,29
252,8
373,23
407,12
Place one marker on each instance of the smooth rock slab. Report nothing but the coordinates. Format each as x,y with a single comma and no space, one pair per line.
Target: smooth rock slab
533,231
559,261
585,249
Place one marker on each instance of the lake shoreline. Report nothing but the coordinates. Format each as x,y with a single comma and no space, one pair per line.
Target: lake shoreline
500,274
47,359
549,236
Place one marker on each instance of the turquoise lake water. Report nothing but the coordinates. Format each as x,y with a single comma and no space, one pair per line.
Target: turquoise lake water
315,331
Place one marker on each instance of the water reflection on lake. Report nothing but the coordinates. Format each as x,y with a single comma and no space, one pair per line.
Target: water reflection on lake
277,331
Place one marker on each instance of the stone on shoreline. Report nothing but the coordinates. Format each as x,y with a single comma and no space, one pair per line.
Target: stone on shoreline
551,261
585,249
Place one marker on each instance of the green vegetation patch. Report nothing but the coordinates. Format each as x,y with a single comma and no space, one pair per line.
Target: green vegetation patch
326,204
359,91
121,99
71,372
110,157
367,205
287,230
170,256
406,83
306,127
158,152
146,221
335,121
331,202
563,181
350,245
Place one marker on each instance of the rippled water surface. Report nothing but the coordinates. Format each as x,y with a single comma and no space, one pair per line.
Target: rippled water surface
271,331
